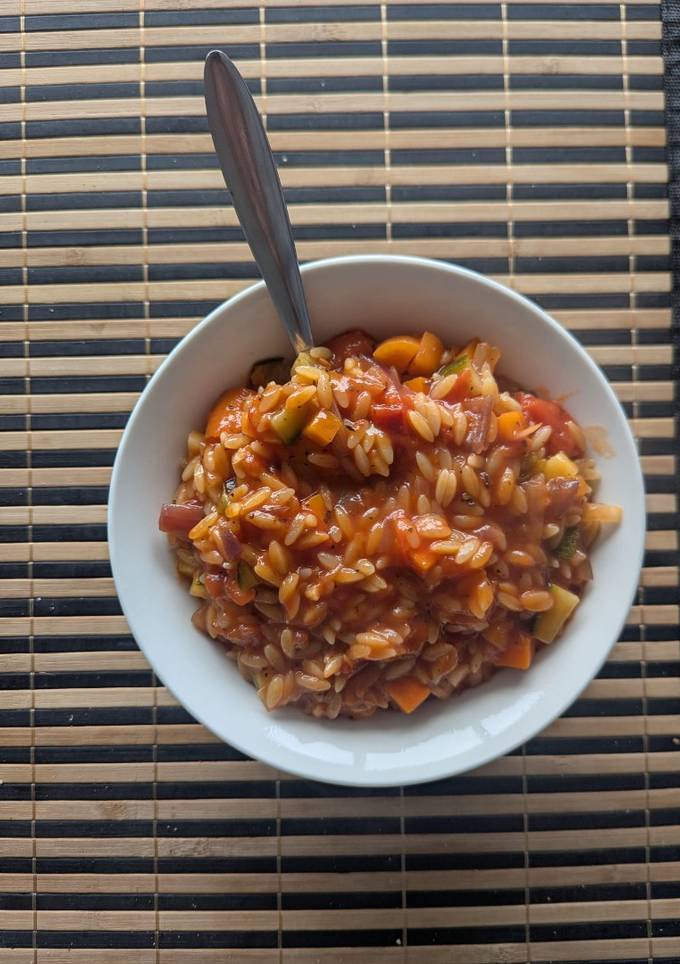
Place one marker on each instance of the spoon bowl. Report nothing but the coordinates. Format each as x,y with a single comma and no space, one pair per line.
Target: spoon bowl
250,173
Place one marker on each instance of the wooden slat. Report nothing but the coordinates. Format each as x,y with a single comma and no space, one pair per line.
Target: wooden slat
526,140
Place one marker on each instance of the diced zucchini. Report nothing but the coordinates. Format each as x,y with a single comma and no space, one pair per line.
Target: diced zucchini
549,624
288,423
569,543
456,366
197,588
269,370
245,576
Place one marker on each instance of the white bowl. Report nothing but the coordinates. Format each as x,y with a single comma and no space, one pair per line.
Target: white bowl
385,295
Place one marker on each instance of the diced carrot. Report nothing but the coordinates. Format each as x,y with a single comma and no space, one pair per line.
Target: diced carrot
429,355
398,351
498,634
407,692
418,384
225,415
315,503
424,558
323,428
518,655
509,424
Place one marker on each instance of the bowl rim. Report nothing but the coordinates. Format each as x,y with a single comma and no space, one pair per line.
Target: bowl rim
306,767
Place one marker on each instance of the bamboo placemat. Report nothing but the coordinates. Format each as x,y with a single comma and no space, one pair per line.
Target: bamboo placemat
523,139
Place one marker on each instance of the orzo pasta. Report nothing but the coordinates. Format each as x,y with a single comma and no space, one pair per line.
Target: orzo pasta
391,522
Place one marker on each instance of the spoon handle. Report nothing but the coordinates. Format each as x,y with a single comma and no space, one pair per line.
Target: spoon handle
250,172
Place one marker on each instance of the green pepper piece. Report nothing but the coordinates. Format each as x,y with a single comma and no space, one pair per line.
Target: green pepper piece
569,544
245,576
455,367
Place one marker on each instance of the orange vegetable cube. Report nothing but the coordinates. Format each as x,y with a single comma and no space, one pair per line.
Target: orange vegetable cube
429,355
323,428
407,692
424,558
398,351
509,424
418,384
316,504
518,655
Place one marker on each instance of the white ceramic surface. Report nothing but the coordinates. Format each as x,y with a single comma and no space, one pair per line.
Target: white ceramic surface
385,295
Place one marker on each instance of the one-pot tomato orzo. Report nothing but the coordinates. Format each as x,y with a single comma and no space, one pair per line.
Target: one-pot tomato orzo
383,523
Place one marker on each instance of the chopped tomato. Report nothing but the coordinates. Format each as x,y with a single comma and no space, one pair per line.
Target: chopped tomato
388,417
214,583
238,595
403,527
421,558
354,342
179,520
462,387
253,463
225,415
550,413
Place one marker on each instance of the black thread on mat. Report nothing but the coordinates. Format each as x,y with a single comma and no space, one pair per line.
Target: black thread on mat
670,12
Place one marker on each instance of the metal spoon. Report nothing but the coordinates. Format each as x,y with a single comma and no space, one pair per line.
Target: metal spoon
250,173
